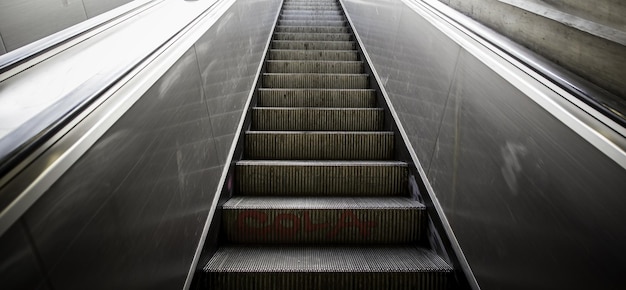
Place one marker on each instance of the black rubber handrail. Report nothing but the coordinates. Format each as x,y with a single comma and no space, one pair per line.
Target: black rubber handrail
25,53
616,114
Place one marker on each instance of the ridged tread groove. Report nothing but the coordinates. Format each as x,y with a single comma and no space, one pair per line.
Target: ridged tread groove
311,12
321,178
324,23
313,36
314,45
332,267
276,145
373,220
336,55
312,29
315,80
317,119
312,17
324,98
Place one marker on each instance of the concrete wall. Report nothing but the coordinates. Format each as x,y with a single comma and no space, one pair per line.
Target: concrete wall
594,58
25,21
608,12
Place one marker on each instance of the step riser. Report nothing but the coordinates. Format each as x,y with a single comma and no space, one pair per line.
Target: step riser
313,36
345,55
312,29
288,7
311,23
321,180
325,81
312,146
316,120
312,17
314,45
316,12
322,226
314,67
321,280
317,98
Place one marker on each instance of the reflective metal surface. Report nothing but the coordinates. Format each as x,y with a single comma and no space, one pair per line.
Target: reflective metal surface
18,261
129,213
95,7
22,22
532,203
2,48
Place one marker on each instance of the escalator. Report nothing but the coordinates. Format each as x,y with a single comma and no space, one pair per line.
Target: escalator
321,199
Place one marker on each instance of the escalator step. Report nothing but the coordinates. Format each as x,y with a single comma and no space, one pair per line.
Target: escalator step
366,220
313,36
314,45
311,23
303,268
312,29
317,119
311,7
315,80
313,12
317,98
312,17
309,66
272,145
340,55
366,178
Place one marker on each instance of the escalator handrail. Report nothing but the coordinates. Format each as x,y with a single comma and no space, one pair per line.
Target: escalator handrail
12,59
593,99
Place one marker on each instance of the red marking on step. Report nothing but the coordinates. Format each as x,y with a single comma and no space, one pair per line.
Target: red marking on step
309,226
287,225
245,217
286,230
349,219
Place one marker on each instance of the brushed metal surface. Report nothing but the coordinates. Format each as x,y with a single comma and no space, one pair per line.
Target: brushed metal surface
129,213
18,261
95,7
22,22
3,49
532,204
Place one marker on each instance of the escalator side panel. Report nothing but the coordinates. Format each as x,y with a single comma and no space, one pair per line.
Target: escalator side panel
531,203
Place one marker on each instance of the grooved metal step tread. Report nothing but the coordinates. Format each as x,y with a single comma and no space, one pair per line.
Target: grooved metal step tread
313,29
315,80
363,178
312,16
313,45
313,12
312,36
311,23
363,220
314,202
317,119
311,7
340,55
309,145
325,98
326,259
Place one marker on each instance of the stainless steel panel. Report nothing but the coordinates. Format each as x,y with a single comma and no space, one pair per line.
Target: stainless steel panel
228,67
18,261
22,22
533,205
3,50
95,7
